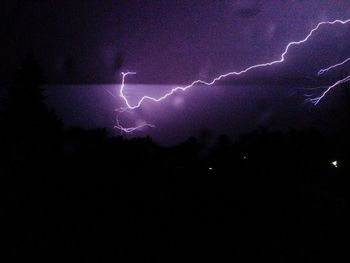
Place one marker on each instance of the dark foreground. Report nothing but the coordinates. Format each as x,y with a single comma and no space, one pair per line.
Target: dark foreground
81,196
269,196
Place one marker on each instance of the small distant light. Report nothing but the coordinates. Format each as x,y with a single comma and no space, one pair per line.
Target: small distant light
335,163
210,168
244,157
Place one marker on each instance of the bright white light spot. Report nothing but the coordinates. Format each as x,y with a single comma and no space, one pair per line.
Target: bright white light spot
210,168
244,157
335,163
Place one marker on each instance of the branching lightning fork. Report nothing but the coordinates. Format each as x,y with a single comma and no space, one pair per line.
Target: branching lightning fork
315,101
322,71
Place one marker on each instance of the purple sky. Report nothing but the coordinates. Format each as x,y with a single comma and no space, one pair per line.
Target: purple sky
164,41
175,42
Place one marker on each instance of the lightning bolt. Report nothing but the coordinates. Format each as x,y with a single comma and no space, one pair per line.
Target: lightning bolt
131,129
322,71
318,99
315,101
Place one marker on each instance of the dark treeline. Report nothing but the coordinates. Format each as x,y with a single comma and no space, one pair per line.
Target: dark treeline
84,196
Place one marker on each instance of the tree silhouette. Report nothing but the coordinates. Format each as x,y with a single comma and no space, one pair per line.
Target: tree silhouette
31,131
26,112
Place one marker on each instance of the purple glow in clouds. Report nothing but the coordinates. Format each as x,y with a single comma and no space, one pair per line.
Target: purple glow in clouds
315,101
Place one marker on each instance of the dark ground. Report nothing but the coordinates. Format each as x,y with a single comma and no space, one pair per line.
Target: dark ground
82,196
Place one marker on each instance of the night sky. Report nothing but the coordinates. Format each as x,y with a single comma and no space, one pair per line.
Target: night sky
164,130
176,42
164,41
